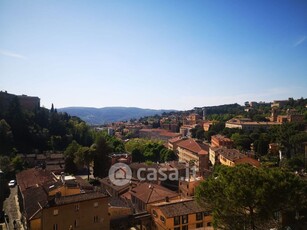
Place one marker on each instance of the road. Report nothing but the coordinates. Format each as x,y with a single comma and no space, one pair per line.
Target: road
11,208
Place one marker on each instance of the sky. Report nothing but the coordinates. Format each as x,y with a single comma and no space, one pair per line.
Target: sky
168,54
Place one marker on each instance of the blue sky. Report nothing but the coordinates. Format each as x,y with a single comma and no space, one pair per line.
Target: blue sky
169,54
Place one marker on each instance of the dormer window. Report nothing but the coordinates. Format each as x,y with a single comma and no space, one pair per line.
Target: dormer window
162,219
154,213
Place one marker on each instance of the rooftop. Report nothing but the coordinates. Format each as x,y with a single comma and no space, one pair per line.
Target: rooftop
249,122
34,177
149,193
179,208
34,198
79,198
231,154
194,146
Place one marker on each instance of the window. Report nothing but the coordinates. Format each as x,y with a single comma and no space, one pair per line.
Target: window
176,220
154,213
95,219
276,215
96,204
199,216
206,213
177,228
77,207
55,212
185,227
162,219
185,219
199,225
76,223
55,227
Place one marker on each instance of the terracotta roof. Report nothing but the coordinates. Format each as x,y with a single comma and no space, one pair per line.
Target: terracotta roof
193,146
221,137
79,198
106,182
161,132
175,139
33,178
172,165
180,208
231,154
84,184
149,193
34,199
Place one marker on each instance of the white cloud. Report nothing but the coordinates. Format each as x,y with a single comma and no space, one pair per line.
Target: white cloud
12,54
300,41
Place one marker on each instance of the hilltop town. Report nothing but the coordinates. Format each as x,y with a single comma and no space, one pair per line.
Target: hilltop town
212,167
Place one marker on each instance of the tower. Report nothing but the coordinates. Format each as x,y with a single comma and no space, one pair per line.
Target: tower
274,114
204,113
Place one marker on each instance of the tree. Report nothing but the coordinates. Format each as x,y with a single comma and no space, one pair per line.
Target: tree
84,156
137,155
167,155
198,132
52,108
244,197
70,154
241,142
17,163
289,136
6,137
101,158
5,164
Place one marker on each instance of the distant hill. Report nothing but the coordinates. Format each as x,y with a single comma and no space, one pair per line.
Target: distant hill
97,116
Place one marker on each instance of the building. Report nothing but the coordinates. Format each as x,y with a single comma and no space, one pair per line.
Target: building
111,131
207,125
291,116
194,152
26,102
214,155
111,189
55,203
145,194
192,119
170,124
157,134
221,141
247,124
185,130
51,161
121,214
279,103
172,143
274,148
233,157
188,185
120,158
180,215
